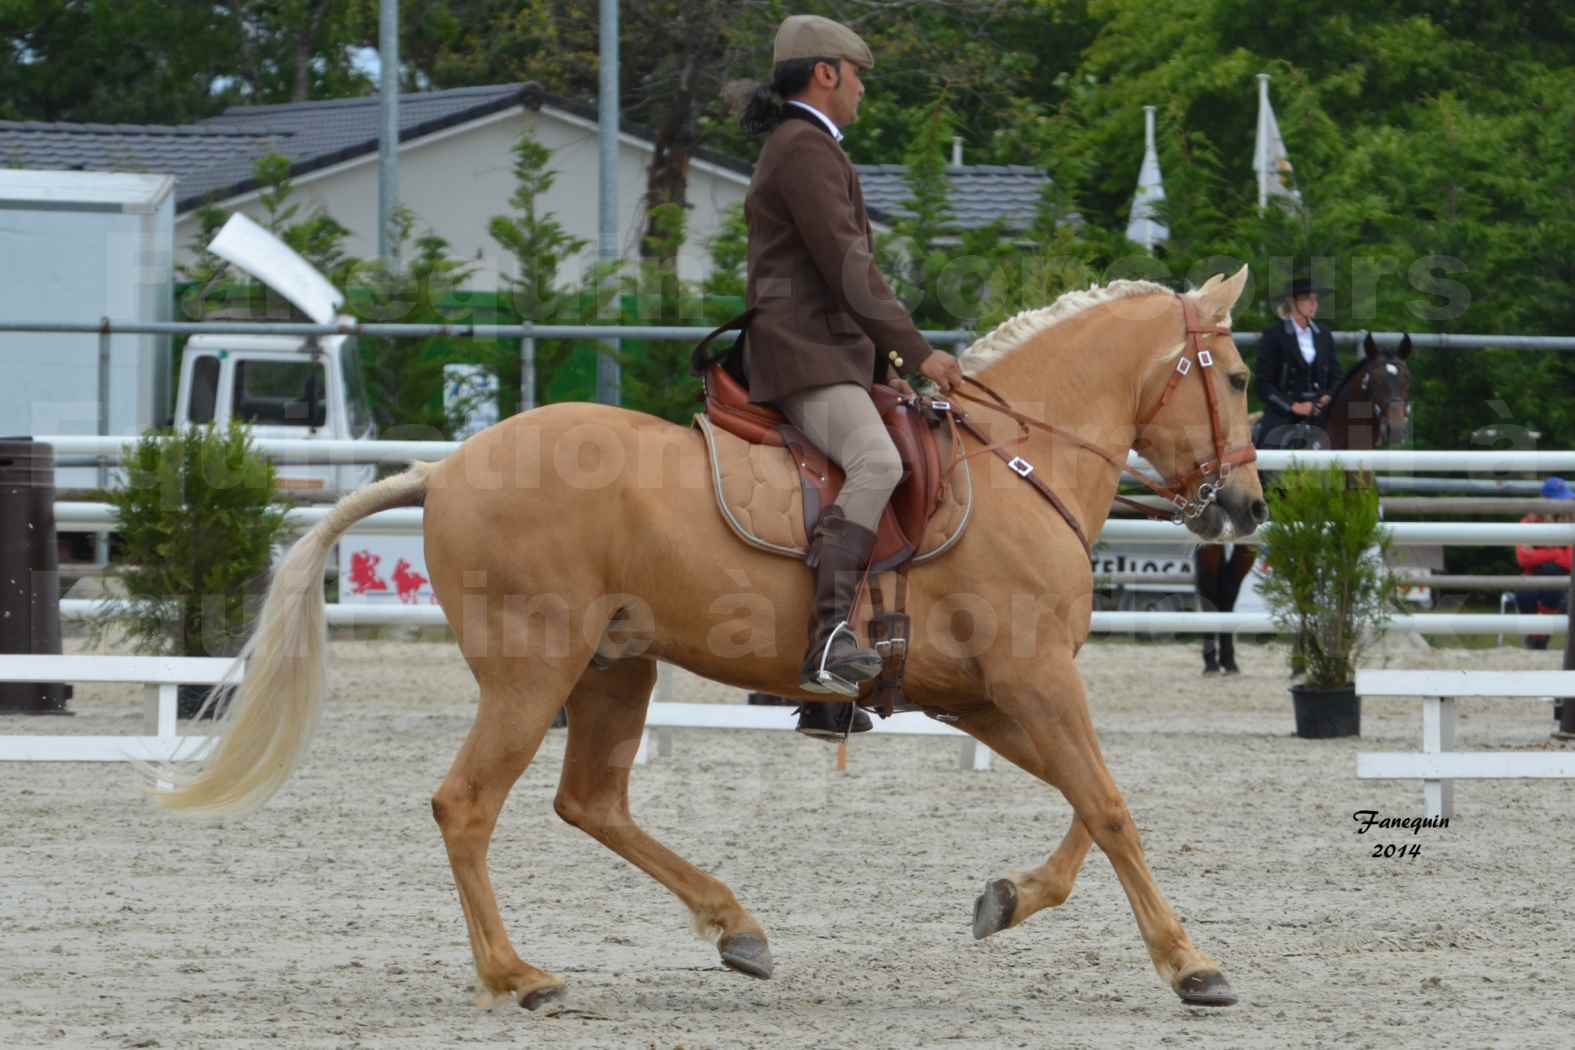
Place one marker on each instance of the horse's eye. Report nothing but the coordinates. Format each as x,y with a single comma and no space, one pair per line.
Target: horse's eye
1238,382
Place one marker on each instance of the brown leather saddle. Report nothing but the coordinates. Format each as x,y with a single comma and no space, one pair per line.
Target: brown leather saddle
903,524
918,494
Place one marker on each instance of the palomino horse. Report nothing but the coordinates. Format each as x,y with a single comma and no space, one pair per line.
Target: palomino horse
553,531
1370,409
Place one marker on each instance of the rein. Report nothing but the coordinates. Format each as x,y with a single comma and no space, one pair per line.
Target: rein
1210,474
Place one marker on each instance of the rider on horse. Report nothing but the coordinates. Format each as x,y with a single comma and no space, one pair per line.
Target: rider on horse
1296,372
825,327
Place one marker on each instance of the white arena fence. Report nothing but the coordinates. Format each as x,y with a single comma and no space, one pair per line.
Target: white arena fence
340,453
1438,765
350,614
100,517
161,677
664,716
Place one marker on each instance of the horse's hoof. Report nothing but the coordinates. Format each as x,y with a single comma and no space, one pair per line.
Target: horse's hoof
541,997
747,953
1206,988
1211,670
994,908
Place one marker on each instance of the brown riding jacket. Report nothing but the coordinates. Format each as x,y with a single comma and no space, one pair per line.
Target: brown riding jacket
823,313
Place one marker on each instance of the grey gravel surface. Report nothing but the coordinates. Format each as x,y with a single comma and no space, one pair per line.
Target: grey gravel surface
329,919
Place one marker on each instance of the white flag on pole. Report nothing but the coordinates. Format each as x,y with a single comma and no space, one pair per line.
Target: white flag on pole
1269,160
1144,227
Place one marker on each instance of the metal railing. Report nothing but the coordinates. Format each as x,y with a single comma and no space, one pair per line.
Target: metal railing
680,333
336,452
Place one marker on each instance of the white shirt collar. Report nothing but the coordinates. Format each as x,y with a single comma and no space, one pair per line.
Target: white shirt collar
836,132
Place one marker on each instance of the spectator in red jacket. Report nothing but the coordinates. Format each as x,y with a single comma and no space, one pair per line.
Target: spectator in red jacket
1544,561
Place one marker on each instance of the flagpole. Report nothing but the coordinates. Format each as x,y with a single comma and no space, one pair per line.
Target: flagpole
1148,151
1261,159
1144,226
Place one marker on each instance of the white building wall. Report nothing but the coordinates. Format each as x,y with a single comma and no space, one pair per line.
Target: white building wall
455,181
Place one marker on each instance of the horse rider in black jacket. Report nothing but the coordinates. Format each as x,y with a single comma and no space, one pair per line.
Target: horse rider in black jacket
1296,371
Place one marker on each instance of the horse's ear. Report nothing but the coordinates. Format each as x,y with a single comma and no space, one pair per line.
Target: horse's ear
1219,295
1370,347
1405,347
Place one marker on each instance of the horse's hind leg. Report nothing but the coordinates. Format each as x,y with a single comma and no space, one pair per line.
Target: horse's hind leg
606,717
510,723
1010,901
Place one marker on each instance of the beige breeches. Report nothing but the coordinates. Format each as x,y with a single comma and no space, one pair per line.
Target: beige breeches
840,420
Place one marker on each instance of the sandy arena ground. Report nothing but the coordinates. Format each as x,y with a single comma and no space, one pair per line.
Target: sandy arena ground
329,918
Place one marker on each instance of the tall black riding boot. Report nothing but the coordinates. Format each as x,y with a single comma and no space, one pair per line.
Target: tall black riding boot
835,662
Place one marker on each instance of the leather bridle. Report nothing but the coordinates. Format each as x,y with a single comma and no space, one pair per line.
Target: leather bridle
1369,373
1210,474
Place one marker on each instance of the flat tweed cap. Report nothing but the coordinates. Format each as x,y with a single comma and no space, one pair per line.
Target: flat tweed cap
811,36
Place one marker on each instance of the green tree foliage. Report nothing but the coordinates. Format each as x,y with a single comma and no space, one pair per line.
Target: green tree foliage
198,524
656,376
136,61
1327,581
540,246
318,238
405,376
149,62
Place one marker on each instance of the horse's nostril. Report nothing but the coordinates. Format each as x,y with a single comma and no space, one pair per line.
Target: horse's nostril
1260,511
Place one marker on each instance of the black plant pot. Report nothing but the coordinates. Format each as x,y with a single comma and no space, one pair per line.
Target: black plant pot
1322,713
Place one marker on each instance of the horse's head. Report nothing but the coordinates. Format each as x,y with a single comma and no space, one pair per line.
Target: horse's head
1377,398
1192,423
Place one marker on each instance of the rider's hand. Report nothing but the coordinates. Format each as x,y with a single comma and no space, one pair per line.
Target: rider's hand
1302,408
1323,402
943,370
900,385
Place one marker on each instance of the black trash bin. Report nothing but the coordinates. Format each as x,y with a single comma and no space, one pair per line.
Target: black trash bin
29,571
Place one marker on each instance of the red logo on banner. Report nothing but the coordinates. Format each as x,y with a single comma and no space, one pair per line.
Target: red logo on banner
363,573
408,581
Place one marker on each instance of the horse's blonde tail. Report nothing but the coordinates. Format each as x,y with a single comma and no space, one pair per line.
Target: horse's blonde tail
273,711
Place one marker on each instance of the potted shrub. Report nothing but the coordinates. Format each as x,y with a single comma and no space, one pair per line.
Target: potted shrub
198,523
1327,581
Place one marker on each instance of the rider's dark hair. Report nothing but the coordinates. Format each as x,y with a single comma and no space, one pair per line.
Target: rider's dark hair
766,105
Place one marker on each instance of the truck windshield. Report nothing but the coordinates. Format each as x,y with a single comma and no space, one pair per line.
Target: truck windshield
357,404
280,393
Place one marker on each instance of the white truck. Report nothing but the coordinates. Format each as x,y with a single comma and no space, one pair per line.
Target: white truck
84,246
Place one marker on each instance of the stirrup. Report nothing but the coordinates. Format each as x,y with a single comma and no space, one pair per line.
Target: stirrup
821,680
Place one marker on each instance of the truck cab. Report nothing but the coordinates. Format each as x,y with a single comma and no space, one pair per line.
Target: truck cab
304,387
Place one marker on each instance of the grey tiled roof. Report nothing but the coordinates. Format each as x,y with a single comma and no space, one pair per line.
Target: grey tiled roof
202,159
978,194
318,134
213,159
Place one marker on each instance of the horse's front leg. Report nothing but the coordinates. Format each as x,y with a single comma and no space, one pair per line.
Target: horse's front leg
1049,703
1010,901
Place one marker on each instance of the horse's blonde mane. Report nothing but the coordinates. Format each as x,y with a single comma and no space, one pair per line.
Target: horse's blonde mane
1017,330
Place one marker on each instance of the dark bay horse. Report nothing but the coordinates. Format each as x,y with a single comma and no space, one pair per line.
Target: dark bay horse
1370,409
574,546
